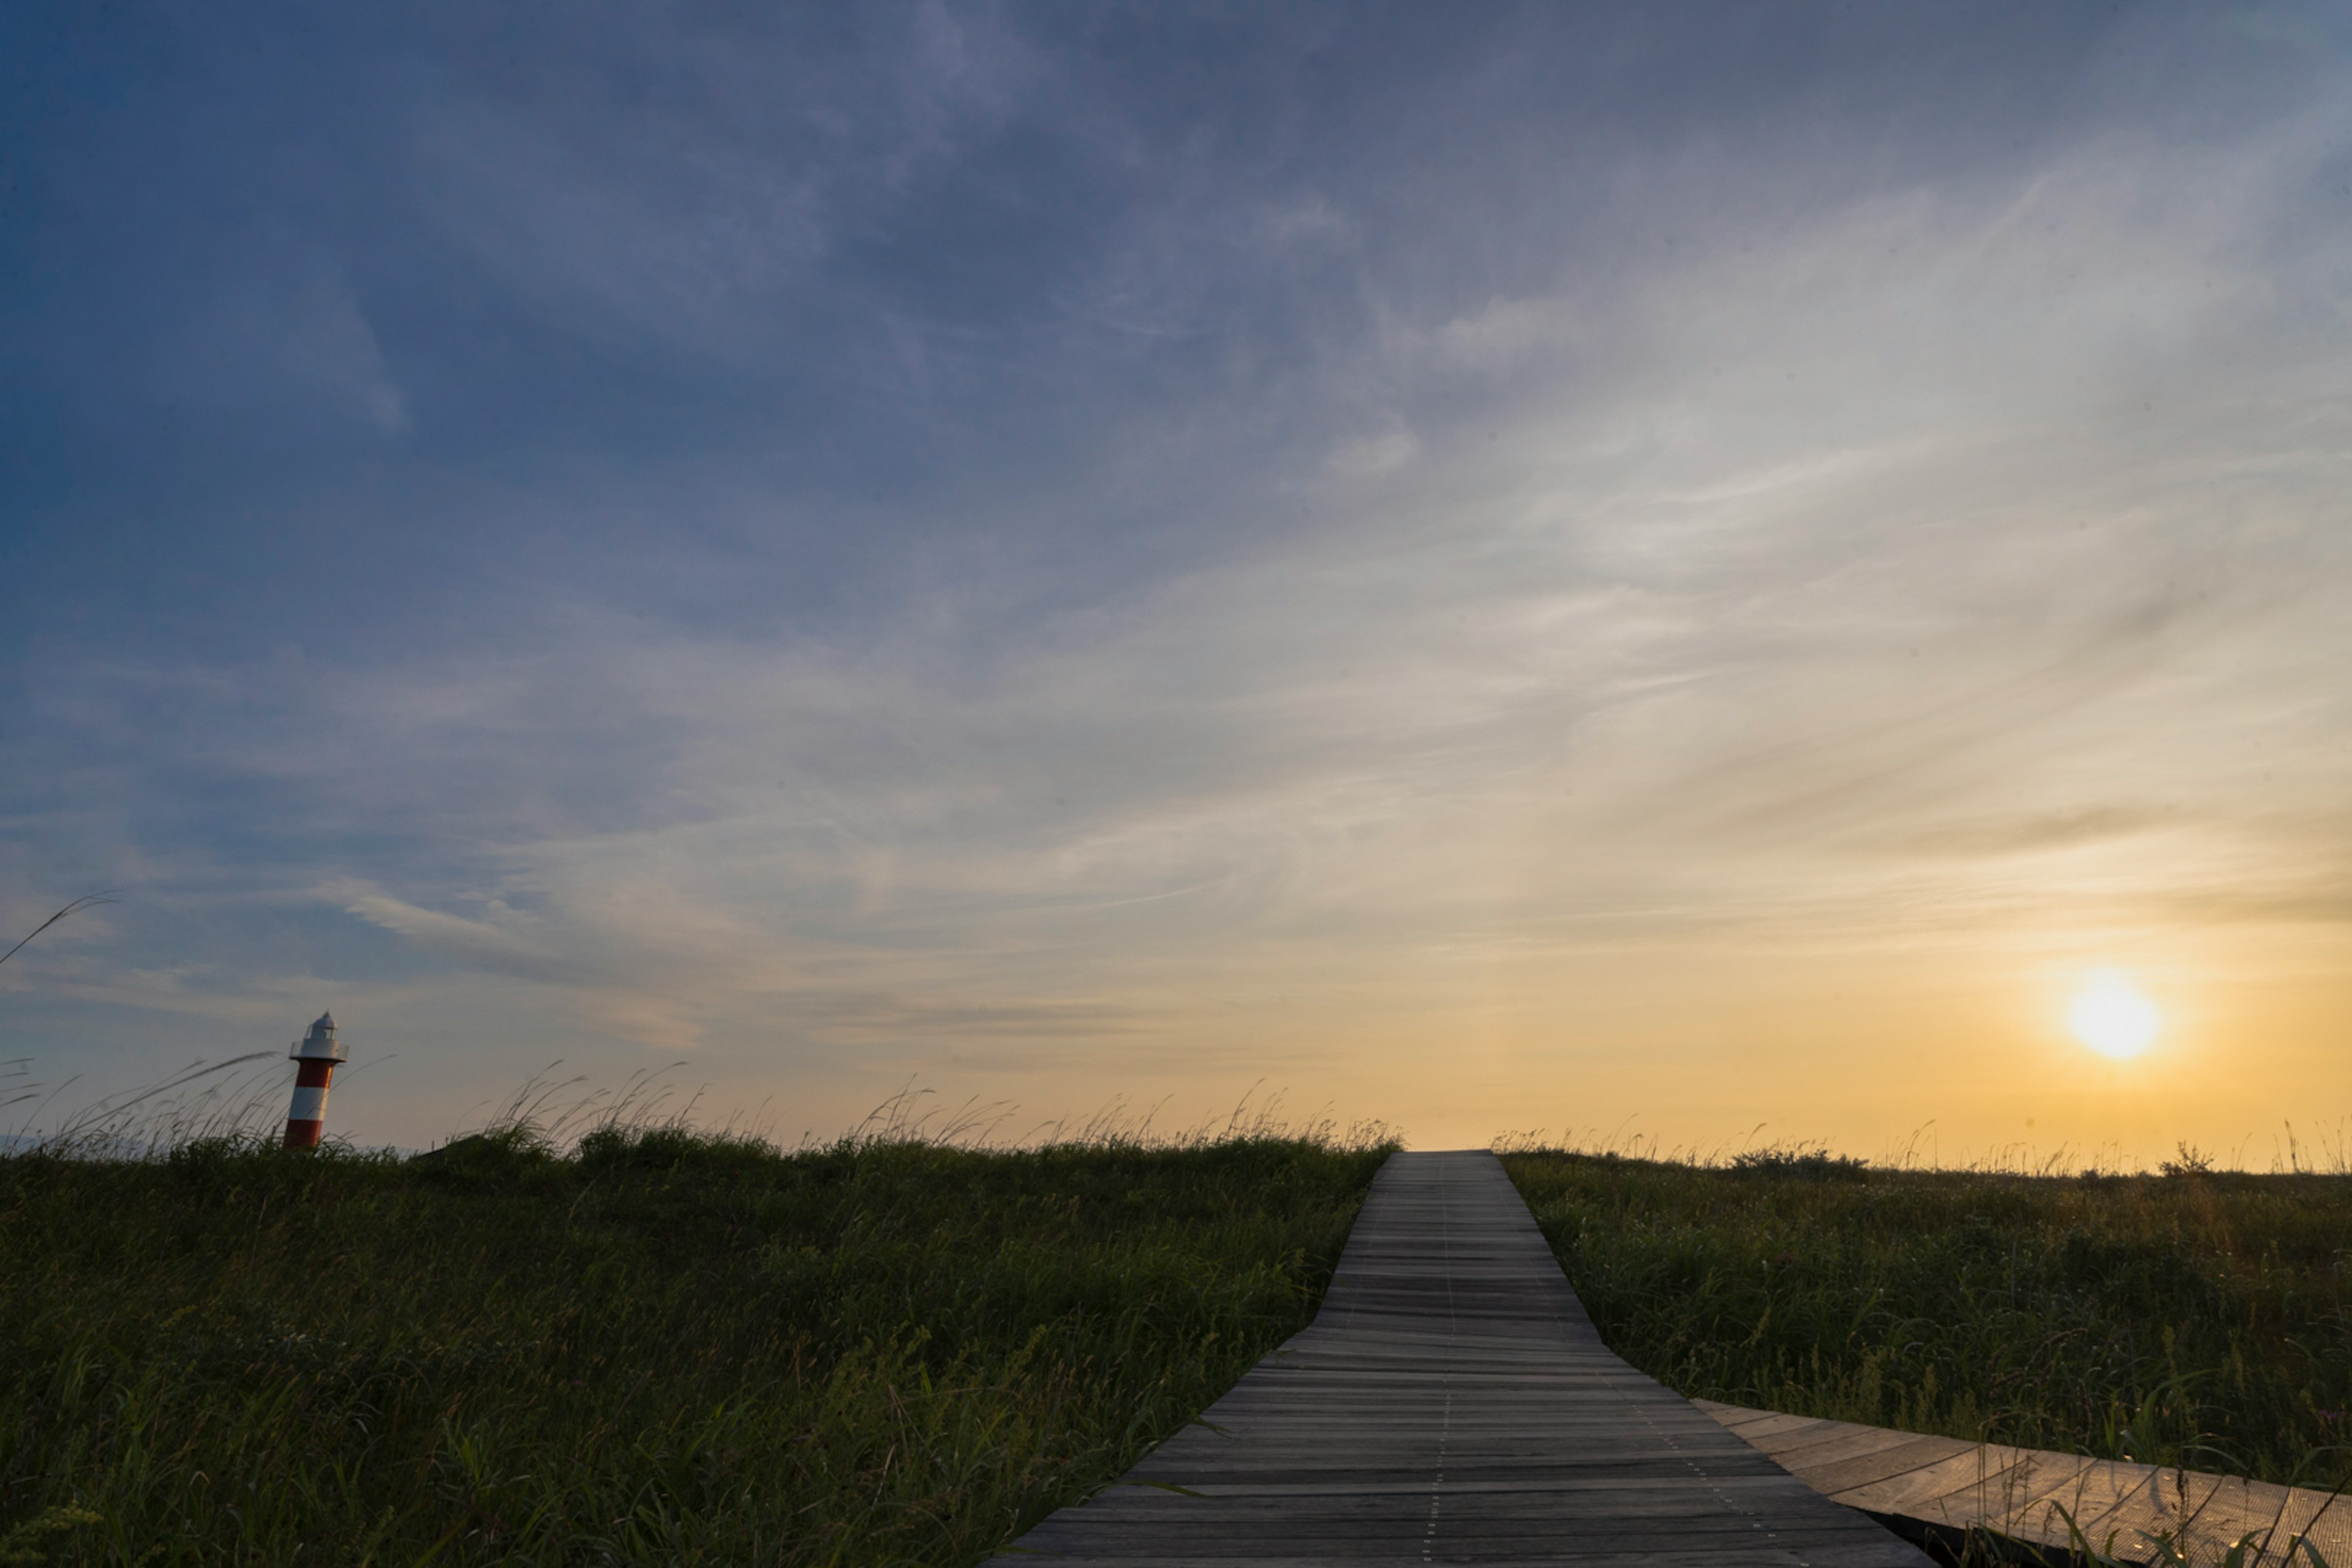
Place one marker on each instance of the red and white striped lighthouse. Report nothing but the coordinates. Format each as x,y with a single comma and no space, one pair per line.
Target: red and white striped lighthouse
319,1052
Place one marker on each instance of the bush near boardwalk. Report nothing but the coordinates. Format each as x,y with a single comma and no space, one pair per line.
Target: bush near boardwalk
2196,1318
663,1348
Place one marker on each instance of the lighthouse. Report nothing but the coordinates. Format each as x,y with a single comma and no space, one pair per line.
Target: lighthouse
317,1053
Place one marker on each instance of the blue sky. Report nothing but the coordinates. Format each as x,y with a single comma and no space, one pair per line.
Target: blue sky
1488,567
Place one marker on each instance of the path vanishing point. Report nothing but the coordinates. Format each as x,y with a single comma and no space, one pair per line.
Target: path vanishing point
1451,1403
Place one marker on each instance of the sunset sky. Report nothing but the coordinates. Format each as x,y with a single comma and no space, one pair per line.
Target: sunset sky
1627,569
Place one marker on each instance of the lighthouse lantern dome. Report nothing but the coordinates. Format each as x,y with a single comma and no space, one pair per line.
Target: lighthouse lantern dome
320,1044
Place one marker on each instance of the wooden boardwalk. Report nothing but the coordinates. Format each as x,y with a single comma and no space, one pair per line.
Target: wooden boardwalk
1944,1486
1451,1404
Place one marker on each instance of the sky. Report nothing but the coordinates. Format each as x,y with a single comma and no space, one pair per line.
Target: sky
1628,572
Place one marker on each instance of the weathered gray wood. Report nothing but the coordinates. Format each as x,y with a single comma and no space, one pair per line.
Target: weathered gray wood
1451,1404
1950,1485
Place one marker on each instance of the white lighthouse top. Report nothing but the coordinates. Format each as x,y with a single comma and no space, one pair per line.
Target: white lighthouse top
320,1044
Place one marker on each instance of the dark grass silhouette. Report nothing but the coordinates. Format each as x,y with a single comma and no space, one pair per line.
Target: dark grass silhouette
659,1345
86,902
2193,1317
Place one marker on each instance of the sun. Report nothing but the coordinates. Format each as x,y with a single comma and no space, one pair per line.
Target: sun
2112,1018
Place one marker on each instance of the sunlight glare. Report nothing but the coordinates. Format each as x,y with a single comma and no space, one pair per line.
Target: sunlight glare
2112,1018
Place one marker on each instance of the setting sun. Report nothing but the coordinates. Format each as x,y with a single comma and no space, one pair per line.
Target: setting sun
2112,1018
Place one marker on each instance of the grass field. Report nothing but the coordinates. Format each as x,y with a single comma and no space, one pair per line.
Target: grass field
662,1348
665,1346
2196,1318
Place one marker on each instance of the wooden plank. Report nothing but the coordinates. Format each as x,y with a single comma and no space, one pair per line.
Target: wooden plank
1831,1443
1836,1477
1451,1403
2019,1492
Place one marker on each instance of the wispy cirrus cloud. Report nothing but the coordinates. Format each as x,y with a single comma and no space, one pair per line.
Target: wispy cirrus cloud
928,548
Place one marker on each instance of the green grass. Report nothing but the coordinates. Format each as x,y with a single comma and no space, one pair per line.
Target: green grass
663,1348
2196,1318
